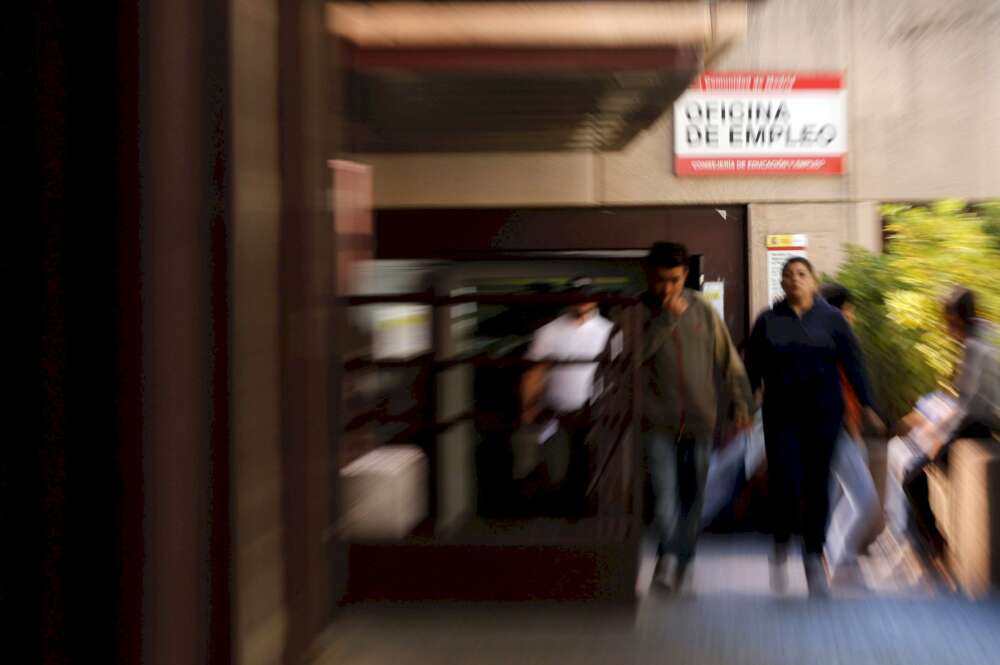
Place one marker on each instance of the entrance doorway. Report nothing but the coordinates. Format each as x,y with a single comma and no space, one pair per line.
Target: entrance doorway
717,233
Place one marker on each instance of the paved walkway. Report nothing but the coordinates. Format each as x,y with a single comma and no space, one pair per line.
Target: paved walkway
738,566
731,618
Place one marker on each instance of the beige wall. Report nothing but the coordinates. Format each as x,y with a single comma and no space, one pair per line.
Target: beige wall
926,106
258,543
483,179
783,34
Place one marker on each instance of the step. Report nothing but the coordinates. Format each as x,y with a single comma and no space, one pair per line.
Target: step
596,559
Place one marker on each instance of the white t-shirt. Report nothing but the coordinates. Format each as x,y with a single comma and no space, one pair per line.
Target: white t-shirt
570,387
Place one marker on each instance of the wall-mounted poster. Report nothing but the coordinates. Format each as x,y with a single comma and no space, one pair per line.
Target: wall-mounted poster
780,248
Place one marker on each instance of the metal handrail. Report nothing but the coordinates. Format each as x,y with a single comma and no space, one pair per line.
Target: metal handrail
477,360
620,422
429,298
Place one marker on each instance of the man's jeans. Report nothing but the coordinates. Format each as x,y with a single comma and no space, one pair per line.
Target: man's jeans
678,475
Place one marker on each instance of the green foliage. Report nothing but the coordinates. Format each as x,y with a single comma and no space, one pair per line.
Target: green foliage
990,212
898,294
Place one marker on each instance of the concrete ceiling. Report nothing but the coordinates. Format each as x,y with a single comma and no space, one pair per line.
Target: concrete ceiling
513,77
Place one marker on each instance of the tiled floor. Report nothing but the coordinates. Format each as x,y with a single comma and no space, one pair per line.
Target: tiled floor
730,618
738,566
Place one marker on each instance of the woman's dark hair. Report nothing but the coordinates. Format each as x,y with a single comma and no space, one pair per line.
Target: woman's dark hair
836,294
961,305
667,255
798,259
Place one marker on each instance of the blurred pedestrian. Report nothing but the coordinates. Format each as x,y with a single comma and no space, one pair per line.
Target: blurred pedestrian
973,412
796,352
977,376
857,514
559,396
688,357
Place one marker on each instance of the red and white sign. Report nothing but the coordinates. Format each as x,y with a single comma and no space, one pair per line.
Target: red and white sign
761,123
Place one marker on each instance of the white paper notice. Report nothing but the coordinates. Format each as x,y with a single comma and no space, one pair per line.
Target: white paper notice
401,331
714,293
780,248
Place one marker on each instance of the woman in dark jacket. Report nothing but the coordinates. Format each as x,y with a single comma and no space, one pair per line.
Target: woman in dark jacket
794,355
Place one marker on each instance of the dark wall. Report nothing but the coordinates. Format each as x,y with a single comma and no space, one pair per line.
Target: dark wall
490,232
115,141
315,563
115,493
71,248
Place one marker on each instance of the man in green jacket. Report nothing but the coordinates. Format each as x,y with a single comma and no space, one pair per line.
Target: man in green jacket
688,358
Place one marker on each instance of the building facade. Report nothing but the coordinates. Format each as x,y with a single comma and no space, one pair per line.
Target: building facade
923,96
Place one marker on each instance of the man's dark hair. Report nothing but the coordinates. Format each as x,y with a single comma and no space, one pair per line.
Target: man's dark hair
580,284
961,304
836,294
667,255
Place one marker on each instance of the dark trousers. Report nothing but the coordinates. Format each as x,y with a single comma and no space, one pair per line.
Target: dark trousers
577,426
798,466
558,486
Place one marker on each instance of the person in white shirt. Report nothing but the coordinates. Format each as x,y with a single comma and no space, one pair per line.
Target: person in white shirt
564,392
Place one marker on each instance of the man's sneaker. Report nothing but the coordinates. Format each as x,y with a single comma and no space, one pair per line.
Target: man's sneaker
664,573
816,576
847,575
682,577
779,574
